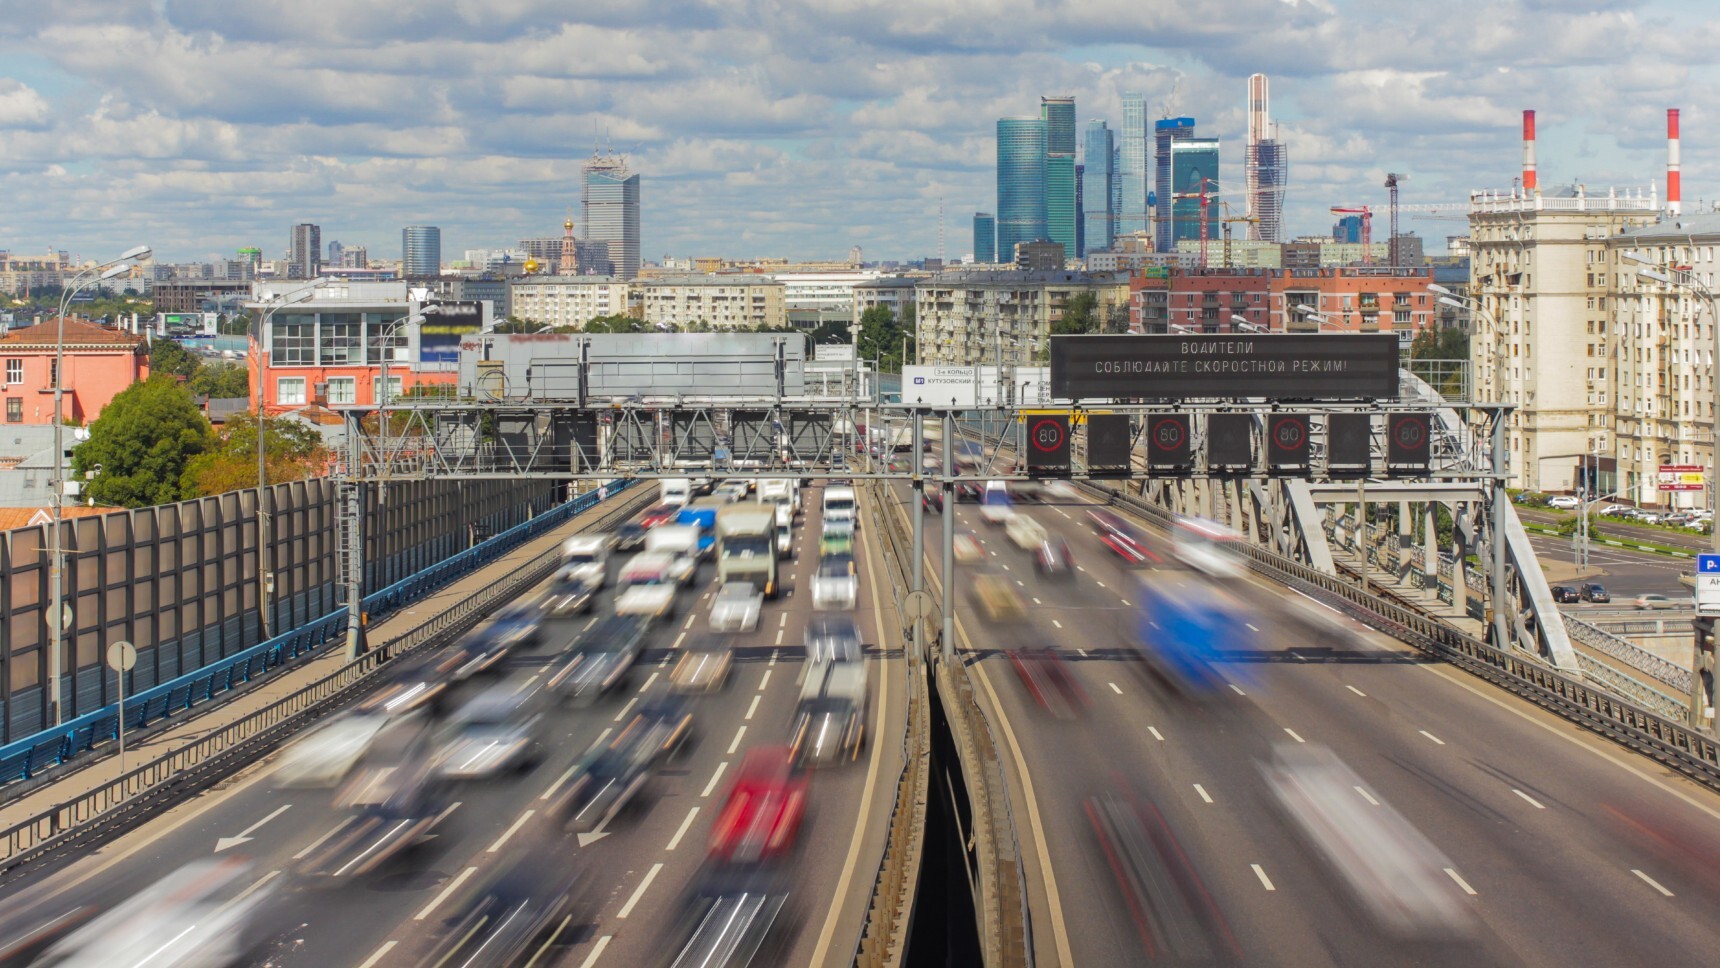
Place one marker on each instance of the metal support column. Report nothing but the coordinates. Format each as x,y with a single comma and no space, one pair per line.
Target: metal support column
949,559
1430,546
919,509
1362,528
1460,560
1496,534
352,529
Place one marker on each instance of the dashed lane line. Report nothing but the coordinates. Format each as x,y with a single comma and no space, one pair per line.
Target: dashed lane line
1429,735
1367,796
639,892
624,710
1651,882
381,953
453,885
1461,882
718,775
680,832
1356,691
764,680
1529,799
1203,794
1156,734
596,952
1114,688
1265,881
754,707
1236,689
1293,735
517,824
737,743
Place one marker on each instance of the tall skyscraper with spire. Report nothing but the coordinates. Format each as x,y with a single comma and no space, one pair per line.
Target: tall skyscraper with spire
611,199
1131,214
1265,167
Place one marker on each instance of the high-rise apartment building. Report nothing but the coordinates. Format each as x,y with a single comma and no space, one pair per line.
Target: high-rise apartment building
1265,167
335,249
984,238
1061,201
304,259
1166,132
1539,270
1021,215
1130,214
1097,186
1193,169
420,251
1347,229
612,212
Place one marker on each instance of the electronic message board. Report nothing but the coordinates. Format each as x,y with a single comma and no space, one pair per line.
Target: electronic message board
1279,366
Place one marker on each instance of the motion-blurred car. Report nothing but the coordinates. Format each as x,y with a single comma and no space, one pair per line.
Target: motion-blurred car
630,536
702,665
521,912
394,799
1120,536
731,491
1653,600
496,730
600,658
969,492
586,556
932,499
998,600
1172,909
1025,532
833,638
837,537
835,584
200,915
830,719
568,595
411,682
612,772
1564,502
1045,675
736,607
325,755
761,813
967,548
1596,592
659,514
732,920
1052,558
1565,593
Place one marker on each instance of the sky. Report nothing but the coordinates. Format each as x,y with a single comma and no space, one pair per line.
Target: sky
775,128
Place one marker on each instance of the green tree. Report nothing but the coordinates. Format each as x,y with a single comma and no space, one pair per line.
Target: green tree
237,324
294,452
141,444
220,380
618,323
1080,316
168,358
885,338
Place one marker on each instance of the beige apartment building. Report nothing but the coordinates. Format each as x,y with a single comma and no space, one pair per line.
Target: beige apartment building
980,317
727,302
1541,272
566,300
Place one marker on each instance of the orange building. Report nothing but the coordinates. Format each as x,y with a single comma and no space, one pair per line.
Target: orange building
100,362
1356,299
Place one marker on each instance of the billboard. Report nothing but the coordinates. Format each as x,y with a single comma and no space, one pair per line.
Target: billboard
1682,477
440,333
1280,366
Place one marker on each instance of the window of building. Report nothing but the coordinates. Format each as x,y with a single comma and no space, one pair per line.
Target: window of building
53,374
295,342
14,409
14,371
384,338
290,390
342,389
341,341
395,388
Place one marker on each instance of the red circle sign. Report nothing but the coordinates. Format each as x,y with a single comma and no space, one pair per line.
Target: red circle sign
1047,436
1288,434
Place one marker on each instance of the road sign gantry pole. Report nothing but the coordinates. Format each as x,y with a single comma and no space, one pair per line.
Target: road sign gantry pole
949,557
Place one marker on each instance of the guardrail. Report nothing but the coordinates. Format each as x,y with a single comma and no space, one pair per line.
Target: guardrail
1628,723
49,749
157,783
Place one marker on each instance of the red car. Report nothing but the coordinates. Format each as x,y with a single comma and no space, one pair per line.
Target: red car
1121,537
762,812
659,514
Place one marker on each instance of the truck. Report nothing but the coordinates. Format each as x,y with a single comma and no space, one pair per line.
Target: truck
702,513
840,504
680,542
746,546
586,557
675,490
1184,630
779,490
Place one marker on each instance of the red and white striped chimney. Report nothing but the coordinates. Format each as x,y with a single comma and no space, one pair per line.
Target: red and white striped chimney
1674,191
1529,185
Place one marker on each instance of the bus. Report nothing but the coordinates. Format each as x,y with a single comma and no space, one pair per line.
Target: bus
1207,546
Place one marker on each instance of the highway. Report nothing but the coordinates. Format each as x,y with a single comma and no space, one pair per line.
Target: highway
633,876
1557,847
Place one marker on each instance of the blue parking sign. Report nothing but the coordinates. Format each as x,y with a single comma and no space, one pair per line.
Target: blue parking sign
1708,564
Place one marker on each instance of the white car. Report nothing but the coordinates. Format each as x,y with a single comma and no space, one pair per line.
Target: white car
1027,533
736,607
1565,502
834,584
327,754
967,548
586,557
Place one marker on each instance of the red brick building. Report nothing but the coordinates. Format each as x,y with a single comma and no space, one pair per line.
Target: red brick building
100,362
1357,299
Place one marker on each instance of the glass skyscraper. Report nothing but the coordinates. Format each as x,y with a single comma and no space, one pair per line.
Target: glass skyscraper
612,212
1058,113
984,238
1192,161
1131,174
1097,180
1021,183
1166,133
420,251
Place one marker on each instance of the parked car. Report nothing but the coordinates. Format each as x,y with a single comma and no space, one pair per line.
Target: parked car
1611,509
1595,592
1563,594
1564,502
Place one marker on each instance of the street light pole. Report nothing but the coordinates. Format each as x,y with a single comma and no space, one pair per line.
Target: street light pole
58,620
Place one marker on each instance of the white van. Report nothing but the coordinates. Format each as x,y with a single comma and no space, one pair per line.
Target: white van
675,490
840,505
586,557
994,505
778,490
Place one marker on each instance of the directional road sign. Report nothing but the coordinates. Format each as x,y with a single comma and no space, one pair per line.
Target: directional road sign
1708,584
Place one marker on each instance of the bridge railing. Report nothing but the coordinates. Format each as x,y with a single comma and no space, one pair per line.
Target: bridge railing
81,738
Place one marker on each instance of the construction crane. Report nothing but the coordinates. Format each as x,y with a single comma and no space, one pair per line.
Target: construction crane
1367,215
1392,179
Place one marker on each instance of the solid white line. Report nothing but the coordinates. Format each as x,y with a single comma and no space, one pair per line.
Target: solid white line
1357,691
1202,791
596,950
737,743
647,685
1156,734
1236,689
1461,882
1293,735
764,681
453,886
1429,735
638,893
753,708
509,832
676,840
714,778
387,946
1115,689
527,684
624,709
1367,796
1532,801
301,855
1651,882
1265,881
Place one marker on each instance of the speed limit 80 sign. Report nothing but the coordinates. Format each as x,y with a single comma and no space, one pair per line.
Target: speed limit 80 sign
1048,444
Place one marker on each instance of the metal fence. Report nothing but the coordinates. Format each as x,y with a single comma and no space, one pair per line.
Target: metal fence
156,784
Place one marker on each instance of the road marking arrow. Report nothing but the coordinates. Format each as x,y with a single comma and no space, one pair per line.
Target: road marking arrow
598,832
245,835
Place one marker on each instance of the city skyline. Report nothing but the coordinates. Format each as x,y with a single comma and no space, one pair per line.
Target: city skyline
755,142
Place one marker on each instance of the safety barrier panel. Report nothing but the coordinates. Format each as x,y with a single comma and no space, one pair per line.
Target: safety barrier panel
1601,640
231,747
70,741
1666,740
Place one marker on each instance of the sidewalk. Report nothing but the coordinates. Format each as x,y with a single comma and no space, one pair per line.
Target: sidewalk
158,743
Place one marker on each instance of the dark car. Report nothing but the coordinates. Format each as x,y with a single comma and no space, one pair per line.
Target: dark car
933,500
630,536
1595,592
970,492
1565,593
1052,557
